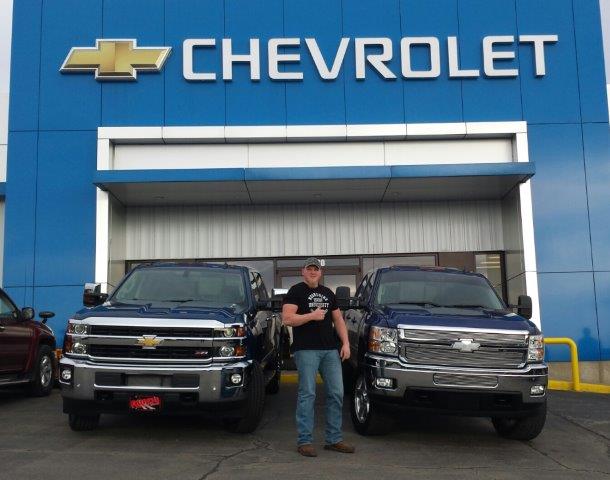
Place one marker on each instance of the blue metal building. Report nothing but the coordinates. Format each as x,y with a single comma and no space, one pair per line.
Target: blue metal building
471,133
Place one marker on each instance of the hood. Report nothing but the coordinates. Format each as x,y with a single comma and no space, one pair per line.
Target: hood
453,318
178,312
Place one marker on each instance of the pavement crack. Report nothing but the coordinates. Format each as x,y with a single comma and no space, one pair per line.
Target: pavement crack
575,423
258,444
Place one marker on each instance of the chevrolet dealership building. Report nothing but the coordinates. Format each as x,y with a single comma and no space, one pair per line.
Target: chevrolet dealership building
465,133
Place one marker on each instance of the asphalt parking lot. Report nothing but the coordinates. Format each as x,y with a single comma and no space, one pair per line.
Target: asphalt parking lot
36,443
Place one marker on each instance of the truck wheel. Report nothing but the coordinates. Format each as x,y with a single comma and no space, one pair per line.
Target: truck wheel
81,423
42,378
526,428
366,417
255,403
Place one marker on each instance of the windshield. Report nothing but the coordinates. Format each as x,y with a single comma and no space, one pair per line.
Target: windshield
197,286
435,289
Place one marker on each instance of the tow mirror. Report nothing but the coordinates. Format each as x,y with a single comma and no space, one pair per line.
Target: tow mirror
93,296
343,297
45,316
524,306
27,313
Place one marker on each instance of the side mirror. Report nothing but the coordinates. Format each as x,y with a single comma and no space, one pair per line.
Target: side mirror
45,316
93,296
27,313
524,306
343,297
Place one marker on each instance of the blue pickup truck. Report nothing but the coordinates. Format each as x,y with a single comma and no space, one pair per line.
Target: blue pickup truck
442,340
173,338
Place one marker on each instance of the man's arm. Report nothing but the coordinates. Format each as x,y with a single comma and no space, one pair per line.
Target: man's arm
291,318
342,332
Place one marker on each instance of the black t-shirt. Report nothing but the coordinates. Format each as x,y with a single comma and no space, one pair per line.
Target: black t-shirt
313,335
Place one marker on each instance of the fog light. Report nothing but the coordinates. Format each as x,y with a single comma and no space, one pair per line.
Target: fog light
226,351
79,348
66,374
384,382
537,390
236,378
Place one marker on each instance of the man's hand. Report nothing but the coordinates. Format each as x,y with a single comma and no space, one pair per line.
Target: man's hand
318,314
345,352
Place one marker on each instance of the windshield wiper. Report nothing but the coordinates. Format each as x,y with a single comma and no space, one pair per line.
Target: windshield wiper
419,304
469,306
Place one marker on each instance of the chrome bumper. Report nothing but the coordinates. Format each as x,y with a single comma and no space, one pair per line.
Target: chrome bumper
476,381
212,386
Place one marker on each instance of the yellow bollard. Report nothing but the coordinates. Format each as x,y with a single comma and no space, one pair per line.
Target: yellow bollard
573,358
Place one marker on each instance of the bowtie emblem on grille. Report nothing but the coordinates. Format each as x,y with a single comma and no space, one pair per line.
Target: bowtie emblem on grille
149,342
466,345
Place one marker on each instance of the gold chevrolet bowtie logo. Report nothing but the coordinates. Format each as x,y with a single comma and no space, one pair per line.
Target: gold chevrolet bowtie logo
149,342
115,59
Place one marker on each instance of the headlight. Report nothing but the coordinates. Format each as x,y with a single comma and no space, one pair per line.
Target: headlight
226,351
234,331
535,348
383,340
77,328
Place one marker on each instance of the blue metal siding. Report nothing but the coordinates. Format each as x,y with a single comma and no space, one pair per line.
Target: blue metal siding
567,302
134,103
488,99
438,100
560,199
194,103
554,97
66,102
302,20
65,209
49,194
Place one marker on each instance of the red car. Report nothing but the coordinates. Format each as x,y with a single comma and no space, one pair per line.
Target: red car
27,348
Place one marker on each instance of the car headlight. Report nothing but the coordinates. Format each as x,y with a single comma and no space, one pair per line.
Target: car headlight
535,348
383,340
234,331
77,328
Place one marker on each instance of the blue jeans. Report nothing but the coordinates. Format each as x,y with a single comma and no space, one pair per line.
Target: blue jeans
328,363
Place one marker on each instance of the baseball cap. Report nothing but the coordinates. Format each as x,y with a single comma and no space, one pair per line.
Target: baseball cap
312,261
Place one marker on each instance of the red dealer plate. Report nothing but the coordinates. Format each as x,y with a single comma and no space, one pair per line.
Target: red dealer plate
150,403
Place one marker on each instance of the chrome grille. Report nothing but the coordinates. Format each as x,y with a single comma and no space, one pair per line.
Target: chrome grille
137,331
448,337
458,380
170,353
441,355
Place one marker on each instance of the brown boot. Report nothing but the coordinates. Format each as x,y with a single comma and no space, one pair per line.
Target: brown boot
307,450
341,447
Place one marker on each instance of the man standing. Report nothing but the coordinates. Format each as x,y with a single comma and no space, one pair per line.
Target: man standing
311,309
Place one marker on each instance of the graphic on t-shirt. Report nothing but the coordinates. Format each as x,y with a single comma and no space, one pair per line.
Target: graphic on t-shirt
317,300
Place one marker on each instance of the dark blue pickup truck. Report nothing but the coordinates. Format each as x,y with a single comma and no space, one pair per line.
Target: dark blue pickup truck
442,340
175,338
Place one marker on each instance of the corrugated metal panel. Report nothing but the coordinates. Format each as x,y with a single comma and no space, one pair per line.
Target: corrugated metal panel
322,229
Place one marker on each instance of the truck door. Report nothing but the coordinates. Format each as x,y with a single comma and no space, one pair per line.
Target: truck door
15,337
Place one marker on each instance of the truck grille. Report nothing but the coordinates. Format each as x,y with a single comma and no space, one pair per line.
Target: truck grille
162,353
127,331
472,381
442,355
449,337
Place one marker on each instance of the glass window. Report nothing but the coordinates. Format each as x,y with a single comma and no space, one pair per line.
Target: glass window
210,287
437,288
6,307
490,265
369,263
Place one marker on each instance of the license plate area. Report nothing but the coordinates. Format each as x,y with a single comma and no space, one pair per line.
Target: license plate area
144,381
145,403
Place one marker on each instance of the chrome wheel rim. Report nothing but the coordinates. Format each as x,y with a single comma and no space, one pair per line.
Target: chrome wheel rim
46,371
362,404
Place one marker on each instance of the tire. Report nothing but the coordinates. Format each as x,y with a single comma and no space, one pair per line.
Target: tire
366,417
255,403
81,423
42,379
526,428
